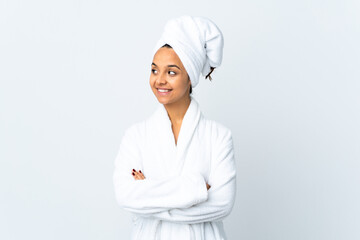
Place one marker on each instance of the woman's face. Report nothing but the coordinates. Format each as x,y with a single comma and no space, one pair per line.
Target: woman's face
169,80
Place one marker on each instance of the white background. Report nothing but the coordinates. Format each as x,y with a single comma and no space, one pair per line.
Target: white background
75,74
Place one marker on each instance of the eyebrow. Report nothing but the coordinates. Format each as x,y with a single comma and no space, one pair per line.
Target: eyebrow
172,65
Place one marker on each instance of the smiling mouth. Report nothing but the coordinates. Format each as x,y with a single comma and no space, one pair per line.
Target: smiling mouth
164,90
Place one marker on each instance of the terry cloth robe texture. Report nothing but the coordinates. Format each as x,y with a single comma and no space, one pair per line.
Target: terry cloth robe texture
172,202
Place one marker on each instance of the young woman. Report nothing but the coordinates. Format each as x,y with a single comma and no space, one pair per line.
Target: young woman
175,171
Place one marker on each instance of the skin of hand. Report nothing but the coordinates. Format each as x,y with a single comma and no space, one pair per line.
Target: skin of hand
138,175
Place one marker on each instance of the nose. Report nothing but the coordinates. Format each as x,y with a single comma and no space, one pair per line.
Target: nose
161,79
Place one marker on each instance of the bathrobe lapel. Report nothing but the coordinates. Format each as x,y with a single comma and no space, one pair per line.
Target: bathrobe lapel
189,124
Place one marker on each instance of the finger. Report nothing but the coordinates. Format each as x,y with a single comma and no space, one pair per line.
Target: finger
142,174
137,175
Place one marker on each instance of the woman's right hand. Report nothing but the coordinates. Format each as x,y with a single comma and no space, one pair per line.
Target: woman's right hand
138,175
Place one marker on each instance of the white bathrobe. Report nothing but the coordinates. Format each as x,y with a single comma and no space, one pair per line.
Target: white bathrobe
172,202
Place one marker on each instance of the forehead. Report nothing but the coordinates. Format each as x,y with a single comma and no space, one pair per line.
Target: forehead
165,56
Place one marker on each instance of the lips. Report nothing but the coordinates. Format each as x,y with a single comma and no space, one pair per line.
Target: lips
163,91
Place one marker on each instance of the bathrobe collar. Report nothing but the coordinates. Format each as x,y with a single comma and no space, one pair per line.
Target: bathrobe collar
188,126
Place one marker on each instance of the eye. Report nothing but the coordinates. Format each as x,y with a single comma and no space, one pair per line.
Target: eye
152,70
172,72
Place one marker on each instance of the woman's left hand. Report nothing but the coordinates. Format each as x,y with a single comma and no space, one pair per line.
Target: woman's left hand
138,175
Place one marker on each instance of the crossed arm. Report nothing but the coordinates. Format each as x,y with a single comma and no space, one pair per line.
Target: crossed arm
183,199
138,175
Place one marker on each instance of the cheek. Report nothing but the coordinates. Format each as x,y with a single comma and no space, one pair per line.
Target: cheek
151,81
181,83
185,84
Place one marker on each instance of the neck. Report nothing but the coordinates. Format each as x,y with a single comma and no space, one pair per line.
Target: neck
176,111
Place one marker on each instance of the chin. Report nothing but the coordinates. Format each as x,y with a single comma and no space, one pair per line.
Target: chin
163,100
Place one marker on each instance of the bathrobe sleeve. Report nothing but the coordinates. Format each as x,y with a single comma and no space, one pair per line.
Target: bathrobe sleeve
150,196
221,195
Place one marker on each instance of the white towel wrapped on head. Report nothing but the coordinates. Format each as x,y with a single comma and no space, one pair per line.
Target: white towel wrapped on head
197,41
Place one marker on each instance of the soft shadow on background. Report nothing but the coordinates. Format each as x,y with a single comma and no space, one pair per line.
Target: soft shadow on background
74,75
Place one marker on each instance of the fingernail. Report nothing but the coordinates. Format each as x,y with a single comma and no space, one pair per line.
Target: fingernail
139,170
133,170
133,174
